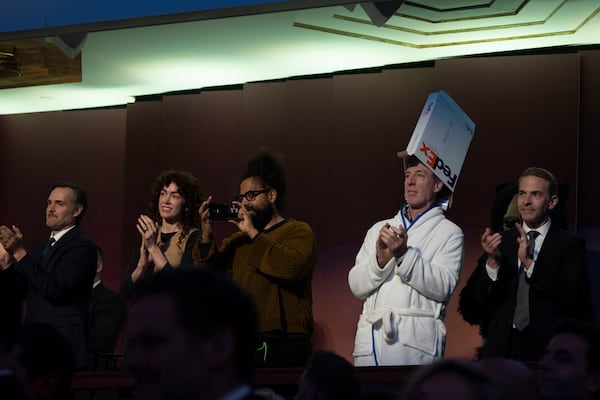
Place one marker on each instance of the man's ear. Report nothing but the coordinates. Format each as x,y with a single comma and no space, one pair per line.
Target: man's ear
553,202
272,196
78,210
437,186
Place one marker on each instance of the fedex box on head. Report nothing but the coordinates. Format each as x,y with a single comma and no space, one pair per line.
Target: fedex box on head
441,138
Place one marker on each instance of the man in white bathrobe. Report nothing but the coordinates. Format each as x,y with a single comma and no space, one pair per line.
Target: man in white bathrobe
406,270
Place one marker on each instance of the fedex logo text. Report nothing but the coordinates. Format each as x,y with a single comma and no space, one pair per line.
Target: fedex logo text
436,162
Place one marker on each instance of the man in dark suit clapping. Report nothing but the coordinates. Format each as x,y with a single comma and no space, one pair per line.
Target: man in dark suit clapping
59,273
531,275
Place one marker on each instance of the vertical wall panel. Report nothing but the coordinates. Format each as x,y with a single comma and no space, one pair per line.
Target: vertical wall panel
142,151
262,117
589,215
201,134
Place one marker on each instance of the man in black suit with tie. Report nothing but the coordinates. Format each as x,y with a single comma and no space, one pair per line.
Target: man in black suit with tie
534,274
59,273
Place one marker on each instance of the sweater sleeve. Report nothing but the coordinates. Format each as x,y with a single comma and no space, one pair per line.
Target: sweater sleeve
288,256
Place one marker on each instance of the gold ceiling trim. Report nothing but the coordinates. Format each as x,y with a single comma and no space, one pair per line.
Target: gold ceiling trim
472,18
420,5
454,31
446,32
445,44
495,15
352,34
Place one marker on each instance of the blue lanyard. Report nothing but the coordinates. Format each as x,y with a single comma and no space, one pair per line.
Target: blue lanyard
404,222
406,228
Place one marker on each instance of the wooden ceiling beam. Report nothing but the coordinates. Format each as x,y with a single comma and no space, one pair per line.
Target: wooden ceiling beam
36,62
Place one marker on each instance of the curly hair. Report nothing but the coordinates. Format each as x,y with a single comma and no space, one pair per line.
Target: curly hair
268,169
189,189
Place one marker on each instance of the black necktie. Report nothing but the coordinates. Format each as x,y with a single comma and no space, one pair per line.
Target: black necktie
48,246
531,236
521,315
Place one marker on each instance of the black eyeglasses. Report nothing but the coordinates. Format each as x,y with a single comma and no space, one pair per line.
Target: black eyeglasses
251,194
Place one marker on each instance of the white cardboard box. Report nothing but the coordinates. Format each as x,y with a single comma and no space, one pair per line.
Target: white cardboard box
442,137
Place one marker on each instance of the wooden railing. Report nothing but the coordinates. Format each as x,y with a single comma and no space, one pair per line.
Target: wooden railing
264,377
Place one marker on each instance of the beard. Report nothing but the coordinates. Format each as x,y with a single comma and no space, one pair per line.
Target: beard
261,218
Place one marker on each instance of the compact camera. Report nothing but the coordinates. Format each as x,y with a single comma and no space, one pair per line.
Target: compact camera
222,211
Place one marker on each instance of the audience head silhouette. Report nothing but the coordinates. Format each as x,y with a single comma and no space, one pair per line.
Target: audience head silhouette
328,376
570,367
191,334
42,360
456,379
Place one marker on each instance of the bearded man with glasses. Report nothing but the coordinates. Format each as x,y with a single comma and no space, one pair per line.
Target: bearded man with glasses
272,257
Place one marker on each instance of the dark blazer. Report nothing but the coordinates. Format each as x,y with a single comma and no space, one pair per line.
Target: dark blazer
558,288
12,294
59,287
107,312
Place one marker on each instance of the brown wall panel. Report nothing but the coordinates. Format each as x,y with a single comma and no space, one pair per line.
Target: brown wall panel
355,129
180,138
262,118
142,150
313,197
307,116
201,134
589,140
217,143
589,216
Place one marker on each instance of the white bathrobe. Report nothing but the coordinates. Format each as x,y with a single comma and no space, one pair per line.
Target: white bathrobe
405,302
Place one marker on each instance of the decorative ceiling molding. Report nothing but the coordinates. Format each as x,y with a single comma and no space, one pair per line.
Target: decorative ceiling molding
412,28
450,11
120,65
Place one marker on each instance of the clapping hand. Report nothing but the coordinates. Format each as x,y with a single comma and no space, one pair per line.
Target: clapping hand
392,242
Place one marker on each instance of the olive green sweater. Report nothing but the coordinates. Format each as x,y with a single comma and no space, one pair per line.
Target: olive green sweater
275,269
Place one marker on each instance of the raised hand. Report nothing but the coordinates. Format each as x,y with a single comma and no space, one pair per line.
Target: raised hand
205,223
392,242
148,229
490,243
5,258
244,222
